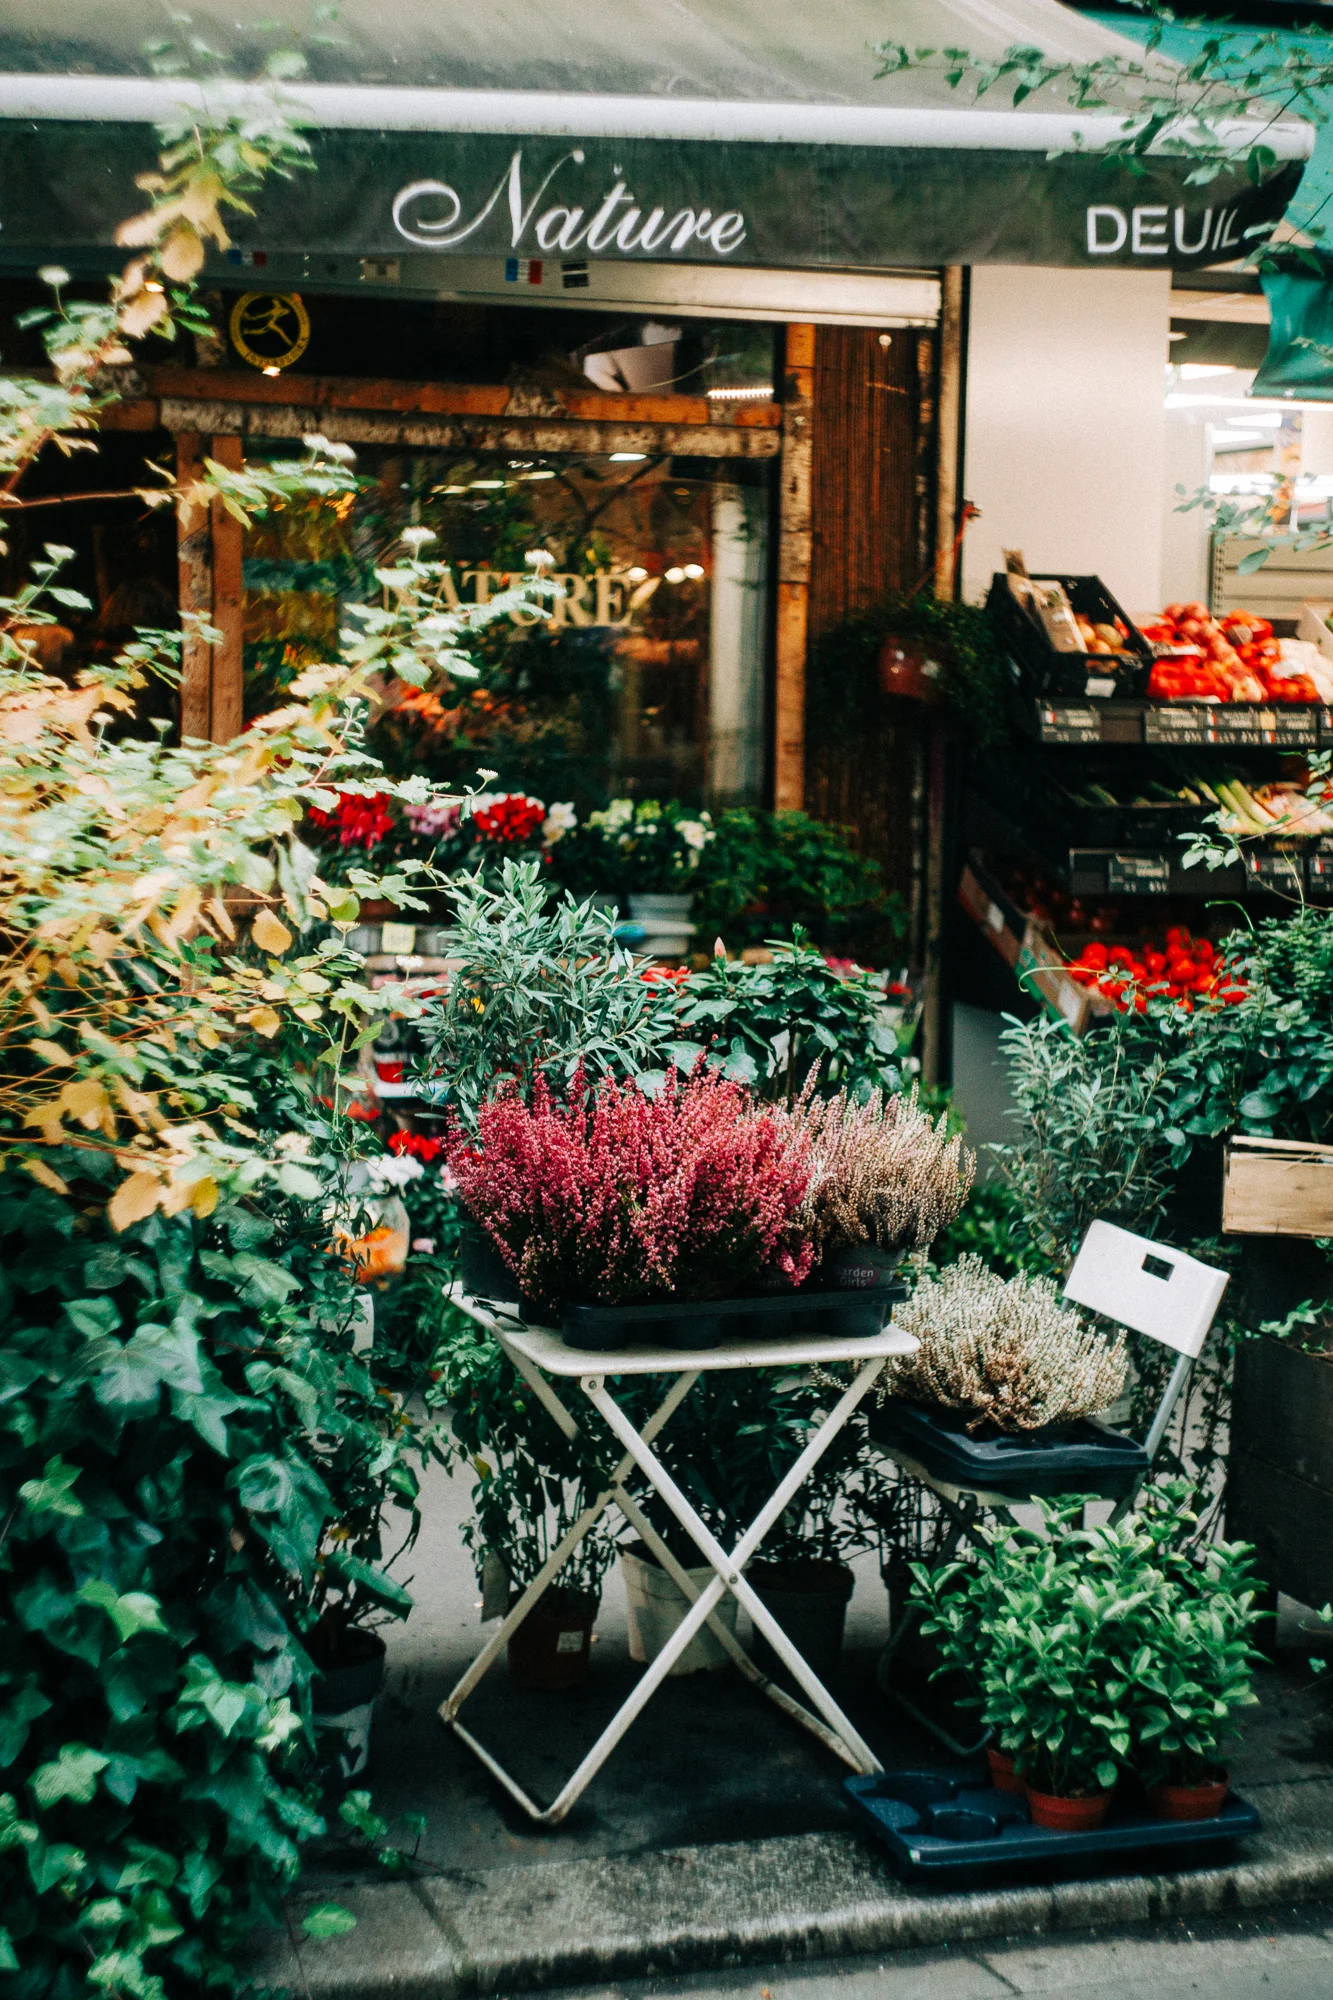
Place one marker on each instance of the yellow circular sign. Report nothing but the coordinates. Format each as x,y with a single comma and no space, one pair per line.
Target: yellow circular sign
270,330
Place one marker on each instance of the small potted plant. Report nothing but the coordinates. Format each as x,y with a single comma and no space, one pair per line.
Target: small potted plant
532,1483
1035,1624
653,852
885,1179
625,1198
1193,1669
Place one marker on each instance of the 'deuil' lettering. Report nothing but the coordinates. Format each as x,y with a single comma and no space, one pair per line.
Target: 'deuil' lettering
1144,229
430,212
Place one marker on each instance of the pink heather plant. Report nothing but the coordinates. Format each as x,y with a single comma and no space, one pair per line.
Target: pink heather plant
621,1197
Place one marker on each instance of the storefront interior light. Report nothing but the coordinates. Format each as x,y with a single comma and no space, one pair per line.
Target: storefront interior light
488,485
695,570
626,457
753,393
452,489
675,575
539,475
273,371
638,574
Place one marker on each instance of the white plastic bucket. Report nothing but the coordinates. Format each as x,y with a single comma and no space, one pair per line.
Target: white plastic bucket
657,1607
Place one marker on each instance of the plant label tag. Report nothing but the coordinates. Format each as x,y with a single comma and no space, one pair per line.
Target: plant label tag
494,1586
569,1642
398,940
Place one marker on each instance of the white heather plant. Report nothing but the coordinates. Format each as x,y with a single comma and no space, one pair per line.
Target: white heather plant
1008,1351
885,1172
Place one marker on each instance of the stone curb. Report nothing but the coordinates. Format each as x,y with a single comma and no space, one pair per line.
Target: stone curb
807,1896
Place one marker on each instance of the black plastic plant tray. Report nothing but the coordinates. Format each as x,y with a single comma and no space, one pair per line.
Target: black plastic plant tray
699,1323
945,1824
1080,1457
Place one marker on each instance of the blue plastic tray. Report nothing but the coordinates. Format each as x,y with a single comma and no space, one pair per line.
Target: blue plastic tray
941,1824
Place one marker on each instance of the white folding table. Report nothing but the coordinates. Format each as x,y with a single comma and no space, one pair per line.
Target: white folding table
539,1353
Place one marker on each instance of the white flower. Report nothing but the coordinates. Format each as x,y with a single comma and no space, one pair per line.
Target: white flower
417,537
539,559
393,1170
54,275
619,813
293,1145
448,1179
483,801
561,819
694,833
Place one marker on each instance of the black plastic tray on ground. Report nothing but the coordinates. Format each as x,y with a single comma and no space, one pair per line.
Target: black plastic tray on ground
699,1323
944,1824
1081,1457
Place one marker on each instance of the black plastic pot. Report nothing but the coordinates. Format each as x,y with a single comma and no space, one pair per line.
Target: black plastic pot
343,1696
483,1270
691,1324
552,1647
809,1598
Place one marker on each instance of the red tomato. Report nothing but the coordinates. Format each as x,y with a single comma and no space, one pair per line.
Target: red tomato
1138,971
1154,962
1185,1003
1093,954
1120,954
1181,970
1140,1003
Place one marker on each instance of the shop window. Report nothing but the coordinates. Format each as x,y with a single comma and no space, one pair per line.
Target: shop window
642,674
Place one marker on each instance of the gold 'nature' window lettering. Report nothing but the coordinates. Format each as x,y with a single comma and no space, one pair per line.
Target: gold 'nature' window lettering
602,597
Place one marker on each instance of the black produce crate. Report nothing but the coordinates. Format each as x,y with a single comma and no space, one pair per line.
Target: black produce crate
1054,673
1080,1457
942,1825
1156,824
692,1324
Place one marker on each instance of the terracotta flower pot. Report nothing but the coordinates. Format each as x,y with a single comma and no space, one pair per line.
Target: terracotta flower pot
1061,1815
1003,1775
1191,1801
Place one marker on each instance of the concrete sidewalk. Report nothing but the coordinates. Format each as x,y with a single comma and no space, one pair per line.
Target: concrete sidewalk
807,1896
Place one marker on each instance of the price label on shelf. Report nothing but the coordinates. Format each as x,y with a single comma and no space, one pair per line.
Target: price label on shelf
1282,872
1190,723
1138,874
1064,723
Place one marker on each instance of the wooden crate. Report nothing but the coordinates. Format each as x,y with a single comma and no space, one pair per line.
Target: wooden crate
1277,1187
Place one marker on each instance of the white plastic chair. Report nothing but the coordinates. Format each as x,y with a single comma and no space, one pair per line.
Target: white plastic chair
1157,1291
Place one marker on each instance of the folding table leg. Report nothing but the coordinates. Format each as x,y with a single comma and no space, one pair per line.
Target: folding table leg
559,1556
729,1566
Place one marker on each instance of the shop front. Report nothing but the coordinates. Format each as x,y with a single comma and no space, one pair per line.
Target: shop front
680,332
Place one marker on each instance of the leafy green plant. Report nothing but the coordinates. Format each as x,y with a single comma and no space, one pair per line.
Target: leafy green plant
769,1025
541,991
651,847
767,872
1090,1650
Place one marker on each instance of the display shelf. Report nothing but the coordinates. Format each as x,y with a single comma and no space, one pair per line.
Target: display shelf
1028,948
1192,725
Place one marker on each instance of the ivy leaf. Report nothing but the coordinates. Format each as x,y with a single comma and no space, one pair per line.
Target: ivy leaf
375,1582
328,1920
51,1493
15,1716
131,1613
71,1775
8,1956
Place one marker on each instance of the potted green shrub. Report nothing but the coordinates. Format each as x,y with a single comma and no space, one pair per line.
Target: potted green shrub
1193,1670
532,1483
1035,1624
652,852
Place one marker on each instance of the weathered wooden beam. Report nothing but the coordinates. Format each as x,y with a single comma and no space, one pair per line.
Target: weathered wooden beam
351,392
228,607
949,439
194,555
527,435
793,571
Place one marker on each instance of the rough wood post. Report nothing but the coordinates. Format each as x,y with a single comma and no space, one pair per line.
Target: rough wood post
949,413
793,571
194,546
228,607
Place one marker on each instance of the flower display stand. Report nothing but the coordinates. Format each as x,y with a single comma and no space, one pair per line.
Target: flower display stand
542,1358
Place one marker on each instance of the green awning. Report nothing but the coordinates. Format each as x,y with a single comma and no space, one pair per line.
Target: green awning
736,132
